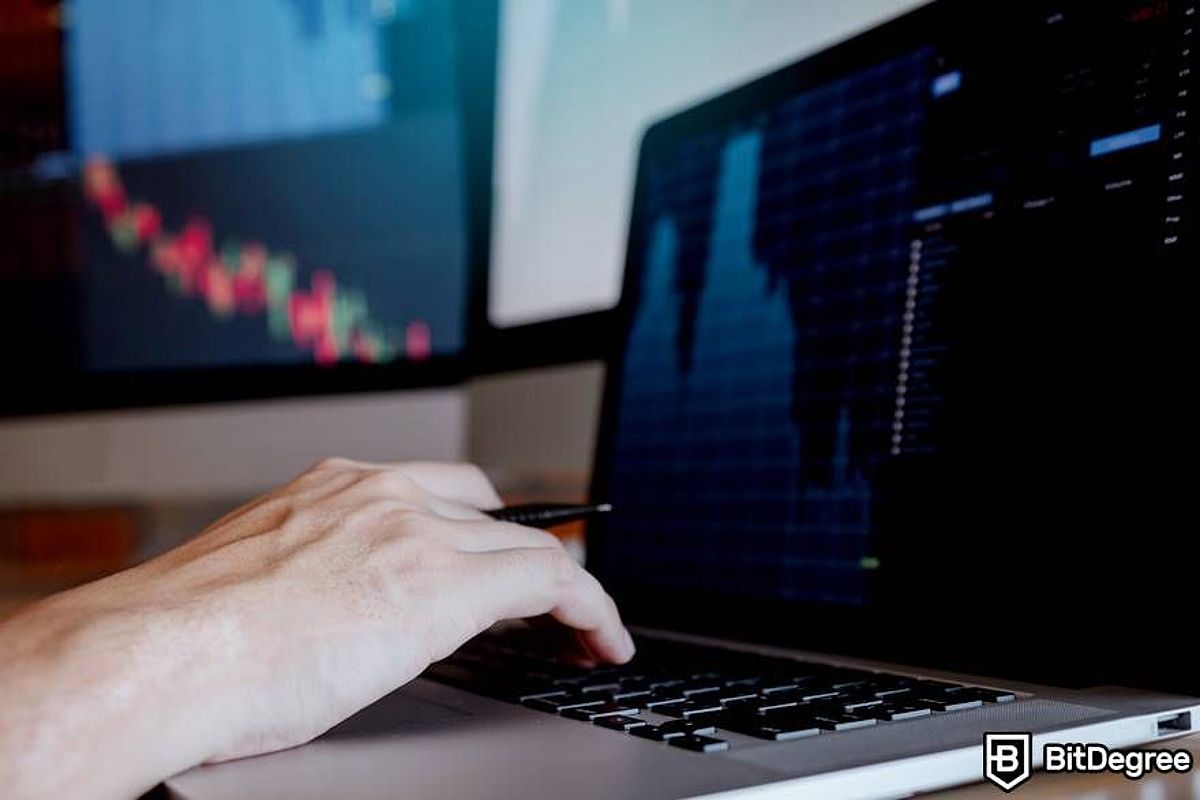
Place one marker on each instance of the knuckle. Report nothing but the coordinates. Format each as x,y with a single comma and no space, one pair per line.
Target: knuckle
472,475
274,512
330,463
374,511
476,472
392,483
291,514
299,522
417,551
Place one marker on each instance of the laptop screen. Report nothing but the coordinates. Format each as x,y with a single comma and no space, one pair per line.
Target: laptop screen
907,333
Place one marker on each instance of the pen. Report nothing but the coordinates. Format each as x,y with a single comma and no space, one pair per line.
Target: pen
545,515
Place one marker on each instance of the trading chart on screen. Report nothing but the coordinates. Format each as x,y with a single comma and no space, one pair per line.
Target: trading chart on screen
242,184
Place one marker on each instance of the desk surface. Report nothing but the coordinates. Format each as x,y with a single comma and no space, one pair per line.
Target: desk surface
1098,787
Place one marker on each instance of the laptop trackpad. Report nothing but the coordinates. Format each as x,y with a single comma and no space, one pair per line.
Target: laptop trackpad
397,711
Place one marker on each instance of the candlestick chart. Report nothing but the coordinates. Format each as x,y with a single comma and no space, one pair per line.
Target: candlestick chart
329,321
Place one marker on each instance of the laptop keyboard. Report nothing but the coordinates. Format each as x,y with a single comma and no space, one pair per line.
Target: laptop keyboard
692,697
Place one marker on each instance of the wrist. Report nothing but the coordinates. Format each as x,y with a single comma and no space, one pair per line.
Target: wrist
96,700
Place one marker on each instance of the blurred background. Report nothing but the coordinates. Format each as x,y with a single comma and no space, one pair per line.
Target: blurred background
238,237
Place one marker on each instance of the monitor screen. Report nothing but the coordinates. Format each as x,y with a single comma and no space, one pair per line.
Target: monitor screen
908,329
192,186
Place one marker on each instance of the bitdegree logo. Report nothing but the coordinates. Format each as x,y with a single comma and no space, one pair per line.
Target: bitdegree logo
1007,761
1133,764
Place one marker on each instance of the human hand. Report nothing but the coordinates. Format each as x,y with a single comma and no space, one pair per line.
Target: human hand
277,622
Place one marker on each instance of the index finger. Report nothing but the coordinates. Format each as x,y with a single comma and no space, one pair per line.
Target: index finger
531,581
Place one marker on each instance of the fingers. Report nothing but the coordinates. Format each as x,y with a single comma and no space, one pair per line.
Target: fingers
566,643
527,582
514,571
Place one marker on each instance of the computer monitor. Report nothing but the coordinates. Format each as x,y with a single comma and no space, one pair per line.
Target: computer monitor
224,201
229,199
906,365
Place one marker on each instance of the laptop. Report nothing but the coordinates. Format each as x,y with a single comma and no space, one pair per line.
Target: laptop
894,427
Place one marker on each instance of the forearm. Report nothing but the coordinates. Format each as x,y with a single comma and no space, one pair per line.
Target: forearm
94,693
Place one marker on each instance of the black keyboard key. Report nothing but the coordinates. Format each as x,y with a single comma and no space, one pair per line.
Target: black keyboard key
813,695
629,694
556,705
889,691
990,695
599,686
770,704
733,695
654,734
621,723
744,705
702,725
842,722
692,708
661,700
537,693
856,704
849,678
948,703
773,727
896,712
695,688
589,713
741,681
672,729
699,744
925,688
773,686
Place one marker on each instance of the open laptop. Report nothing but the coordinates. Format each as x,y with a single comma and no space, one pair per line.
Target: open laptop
894,428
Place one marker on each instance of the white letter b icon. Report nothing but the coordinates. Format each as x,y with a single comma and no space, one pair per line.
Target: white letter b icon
1006,758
